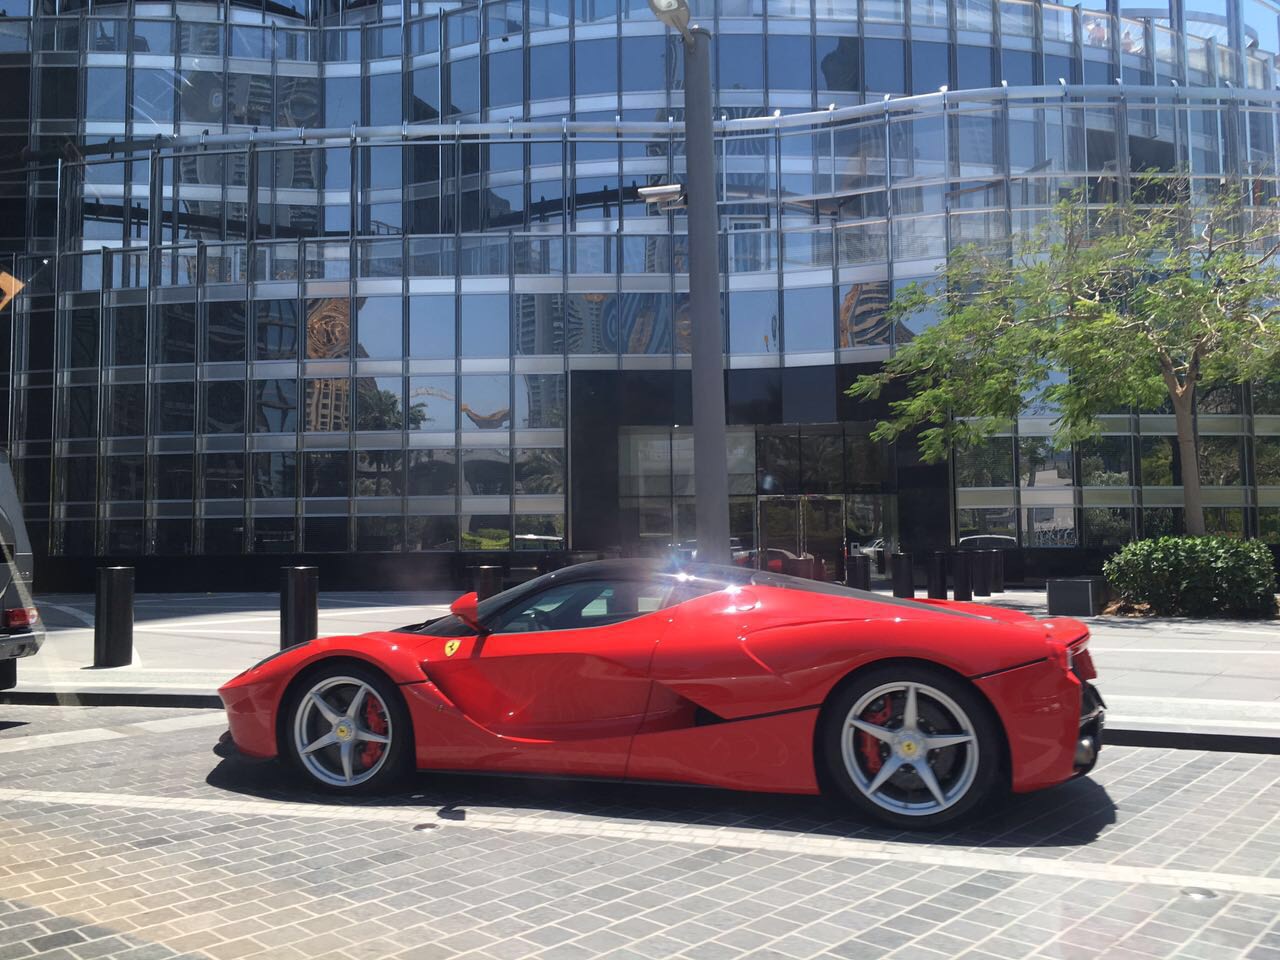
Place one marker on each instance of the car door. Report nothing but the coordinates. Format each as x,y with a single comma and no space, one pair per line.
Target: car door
564,671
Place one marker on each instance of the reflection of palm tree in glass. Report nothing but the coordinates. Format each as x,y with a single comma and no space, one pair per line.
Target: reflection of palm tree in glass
381,410
541,471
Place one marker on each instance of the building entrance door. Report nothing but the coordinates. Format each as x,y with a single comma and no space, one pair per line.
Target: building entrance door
802,527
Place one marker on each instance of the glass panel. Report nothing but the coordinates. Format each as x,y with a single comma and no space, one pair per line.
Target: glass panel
808,319
1159,460
988,463
224,407
328,405
539,471
1047,527
1221,460
225,329
276,330
432,404
486,327
175,333
380,403
379,534
885,66
739,61
327,473
174,408
753,322
1106,462
379,473
431,326
380,328
275,406
549,71
861,320
839,64
541,399
485,402
486,472
433,472
1042,465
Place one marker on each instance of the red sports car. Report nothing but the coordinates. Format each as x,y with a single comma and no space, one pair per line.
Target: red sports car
915,712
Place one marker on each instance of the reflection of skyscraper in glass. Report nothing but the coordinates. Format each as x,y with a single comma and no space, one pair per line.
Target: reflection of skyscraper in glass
587,315
328,336
862,321
539,323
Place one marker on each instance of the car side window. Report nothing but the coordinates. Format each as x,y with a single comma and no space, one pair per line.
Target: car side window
586,603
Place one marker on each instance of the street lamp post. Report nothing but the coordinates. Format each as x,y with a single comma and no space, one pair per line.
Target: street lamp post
710,456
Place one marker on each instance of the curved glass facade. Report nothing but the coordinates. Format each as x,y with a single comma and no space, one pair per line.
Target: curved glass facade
377,279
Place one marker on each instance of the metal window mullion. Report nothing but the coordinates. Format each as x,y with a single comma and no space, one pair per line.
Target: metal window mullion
778,247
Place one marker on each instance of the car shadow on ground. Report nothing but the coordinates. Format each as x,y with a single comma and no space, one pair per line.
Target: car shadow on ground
1071,815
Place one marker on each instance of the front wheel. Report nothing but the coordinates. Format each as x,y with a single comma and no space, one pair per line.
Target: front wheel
346,728
912,746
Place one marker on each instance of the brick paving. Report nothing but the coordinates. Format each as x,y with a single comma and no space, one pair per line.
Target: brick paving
147,847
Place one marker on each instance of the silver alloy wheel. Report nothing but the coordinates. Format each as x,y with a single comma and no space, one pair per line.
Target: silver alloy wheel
330,731
927,763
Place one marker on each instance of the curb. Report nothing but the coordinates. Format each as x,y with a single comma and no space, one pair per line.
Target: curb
102,698
1188,740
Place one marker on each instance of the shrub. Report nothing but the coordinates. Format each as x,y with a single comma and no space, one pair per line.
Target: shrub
1196,576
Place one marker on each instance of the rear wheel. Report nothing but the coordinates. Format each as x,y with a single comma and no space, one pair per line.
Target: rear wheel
8,674
346,728
912,746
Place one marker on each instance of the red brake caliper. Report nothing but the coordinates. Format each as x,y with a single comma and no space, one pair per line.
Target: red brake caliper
376,722
868,745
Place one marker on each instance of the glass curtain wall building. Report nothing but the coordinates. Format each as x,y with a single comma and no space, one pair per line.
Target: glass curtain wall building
374,279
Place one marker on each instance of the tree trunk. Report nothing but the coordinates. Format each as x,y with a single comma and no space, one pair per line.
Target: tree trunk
1192,501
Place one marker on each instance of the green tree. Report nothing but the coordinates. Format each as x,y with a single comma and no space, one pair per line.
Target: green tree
1098,309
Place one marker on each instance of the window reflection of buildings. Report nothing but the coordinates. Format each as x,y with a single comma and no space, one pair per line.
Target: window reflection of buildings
328,337
862,315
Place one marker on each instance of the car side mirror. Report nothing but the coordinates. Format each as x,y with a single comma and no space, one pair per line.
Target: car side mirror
466,608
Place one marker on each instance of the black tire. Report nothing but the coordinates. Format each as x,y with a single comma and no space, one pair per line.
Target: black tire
8,674
395,758
965,781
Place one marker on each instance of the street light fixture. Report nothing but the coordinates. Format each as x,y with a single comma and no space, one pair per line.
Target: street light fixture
710,456
675,14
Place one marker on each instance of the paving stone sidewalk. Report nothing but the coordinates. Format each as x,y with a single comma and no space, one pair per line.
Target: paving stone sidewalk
145,846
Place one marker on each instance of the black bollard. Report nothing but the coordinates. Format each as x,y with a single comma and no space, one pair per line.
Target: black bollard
980,565
997,571
113,618
299,602
903,577
858,571
962,575
937,579
880,560
486,580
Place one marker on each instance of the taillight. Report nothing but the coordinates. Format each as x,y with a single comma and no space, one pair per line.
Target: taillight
19,617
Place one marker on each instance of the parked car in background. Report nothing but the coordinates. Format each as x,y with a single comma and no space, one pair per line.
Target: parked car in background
987,541
21,632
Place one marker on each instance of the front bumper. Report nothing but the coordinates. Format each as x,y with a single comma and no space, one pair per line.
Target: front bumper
24,644
1046,711
226,749
1093,718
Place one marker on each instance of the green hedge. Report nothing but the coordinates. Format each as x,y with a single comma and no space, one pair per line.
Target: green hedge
1196,576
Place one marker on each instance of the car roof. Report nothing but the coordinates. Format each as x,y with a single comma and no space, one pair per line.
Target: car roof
645,567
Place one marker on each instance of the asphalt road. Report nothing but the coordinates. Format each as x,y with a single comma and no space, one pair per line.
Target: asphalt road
122,836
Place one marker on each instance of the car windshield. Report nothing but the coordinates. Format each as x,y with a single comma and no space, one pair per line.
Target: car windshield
687,581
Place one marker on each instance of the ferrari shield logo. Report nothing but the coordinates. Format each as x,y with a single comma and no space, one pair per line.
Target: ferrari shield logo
451,647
